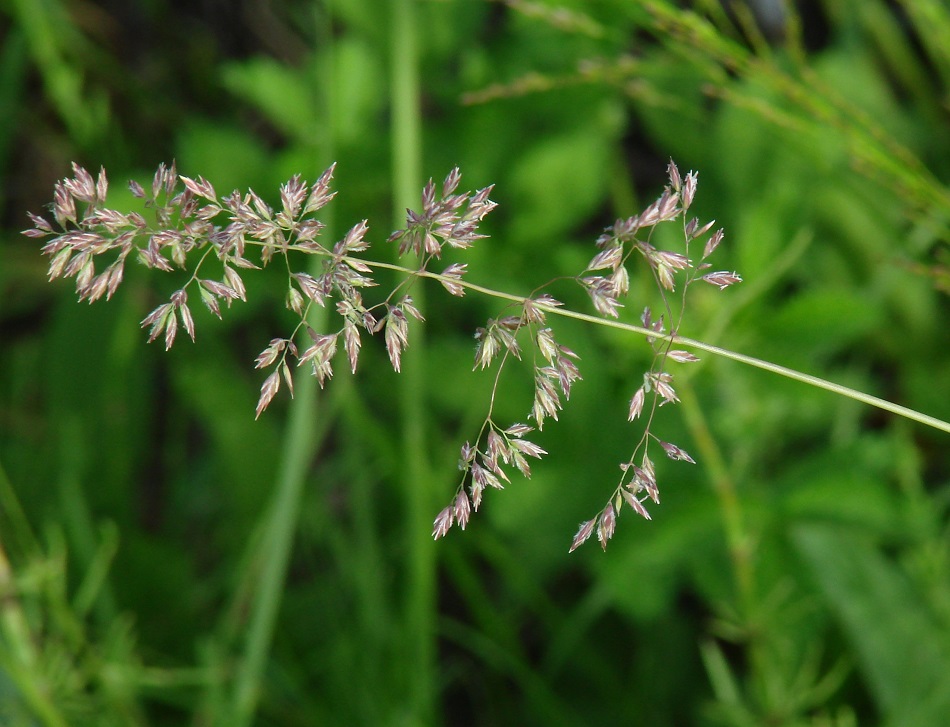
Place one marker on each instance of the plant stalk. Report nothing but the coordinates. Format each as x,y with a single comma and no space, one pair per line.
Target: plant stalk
793,374
420,603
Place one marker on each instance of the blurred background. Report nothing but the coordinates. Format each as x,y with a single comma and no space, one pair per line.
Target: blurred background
168,560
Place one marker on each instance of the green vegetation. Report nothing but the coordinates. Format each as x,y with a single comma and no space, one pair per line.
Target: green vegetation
167,559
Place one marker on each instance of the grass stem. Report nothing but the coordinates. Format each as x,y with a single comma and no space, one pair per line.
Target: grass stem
420,585
793,374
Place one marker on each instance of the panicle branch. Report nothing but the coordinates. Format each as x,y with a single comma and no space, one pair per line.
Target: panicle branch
669,268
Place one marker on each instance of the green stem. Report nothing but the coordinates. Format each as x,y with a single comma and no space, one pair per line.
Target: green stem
874,401
281,524
816,381
420,602
738,538
43,25
303,435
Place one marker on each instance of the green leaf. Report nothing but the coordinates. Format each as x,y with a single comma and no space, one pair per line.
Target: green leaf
282,93
903,654
557,182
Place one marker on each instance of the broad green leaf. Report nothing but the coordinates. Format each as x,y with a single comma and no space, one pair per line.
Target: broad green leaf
557,182
903,654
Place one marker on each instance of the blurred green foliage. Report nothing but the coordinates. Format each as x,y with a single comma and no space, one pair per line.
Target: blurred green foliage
799,575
